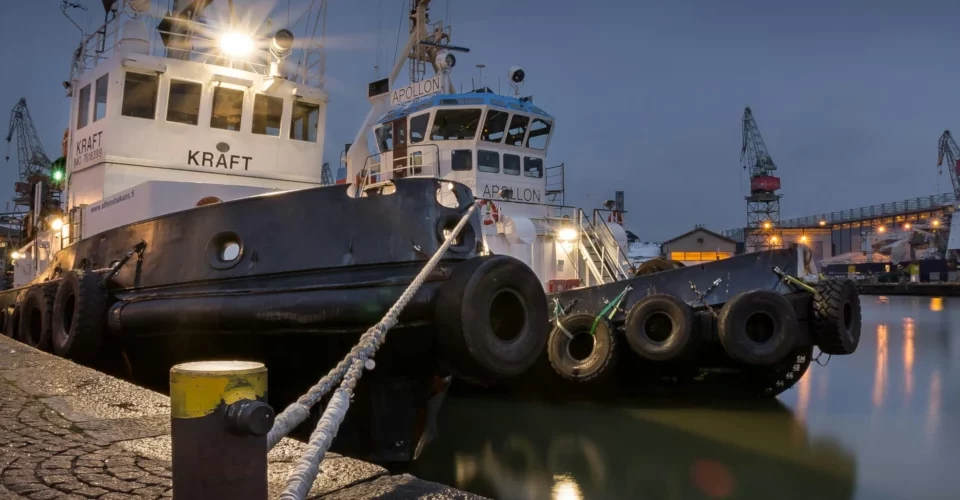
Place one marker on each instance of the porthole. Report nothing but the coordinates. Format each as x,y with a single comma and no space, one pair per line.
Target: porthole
224,250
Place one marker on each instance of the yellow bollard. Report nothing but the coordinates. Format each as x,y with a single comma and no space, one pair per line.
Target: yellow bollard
219,420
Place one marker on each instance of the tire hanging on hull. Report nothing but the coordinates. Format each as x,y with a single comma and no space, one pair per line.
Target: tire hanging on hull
659,327
79,314
758,327
836,316
578,354
36,314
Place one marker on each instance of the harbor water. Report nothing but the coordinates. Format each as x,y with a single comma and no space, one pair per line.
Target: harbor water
883,423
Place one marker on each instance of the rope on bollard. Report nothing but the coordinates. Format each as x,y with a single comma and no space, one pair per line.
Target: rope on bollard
349,370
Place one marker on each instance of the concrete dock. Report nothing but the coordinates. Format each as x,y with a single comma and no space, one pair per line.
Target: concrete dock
72,433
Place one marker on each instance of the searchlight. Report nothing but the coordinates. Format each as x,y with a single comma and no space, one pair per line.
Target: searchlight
236,44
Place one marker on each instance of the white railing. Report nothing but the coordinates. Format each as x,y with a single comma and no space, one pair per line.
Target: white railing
422,163
194,41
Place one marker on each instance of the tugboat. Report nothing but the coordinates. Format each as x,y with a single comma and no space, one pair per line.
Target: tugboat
745,325
193,224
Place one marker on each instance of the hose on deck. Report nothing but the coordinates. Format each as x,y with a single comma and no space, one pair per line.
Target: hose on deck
349,370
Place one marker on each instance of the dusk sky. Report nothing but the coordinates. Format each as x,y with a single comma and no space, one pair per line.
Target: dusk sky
850,97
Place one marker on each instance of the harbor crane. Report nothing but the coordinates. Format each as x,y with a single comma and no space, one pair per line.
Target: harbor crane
763,203
35,169
951,153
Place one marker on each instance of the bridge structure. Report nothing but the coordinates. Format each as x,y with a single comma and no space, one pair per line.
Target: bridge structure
835,233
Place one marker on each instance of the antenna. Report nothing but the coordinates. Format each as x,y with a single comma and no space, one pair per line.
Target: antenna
64,5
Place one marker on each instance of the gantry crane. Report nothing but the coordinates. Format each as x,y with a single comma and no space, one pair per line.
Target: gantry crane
763,203
35,169
951,153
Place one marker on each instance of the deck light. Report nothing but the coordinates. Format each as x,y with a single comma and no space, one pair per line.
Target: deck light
236,44
567,234
15,255
56,223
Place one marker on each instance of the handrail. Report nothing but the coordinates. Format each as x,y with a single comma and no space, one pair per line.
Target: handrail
588,232
621,257
367,176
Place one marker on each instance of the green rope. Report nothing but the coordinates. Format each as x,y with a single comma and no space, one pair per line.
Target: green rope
610,309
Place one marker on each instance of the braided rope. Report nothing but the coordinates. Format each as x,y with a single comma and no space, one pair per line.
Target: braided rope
349,369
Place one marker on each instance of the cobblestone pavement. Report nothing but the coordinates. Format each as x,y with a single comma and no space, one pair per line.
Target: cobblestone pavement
71,433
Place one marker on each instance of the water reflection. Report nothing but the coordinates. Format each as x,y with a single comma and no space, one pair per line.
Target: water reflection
537,450
842,439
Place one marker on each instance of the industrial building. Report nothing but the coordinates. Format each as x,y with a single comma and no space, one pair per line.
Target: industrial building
699,245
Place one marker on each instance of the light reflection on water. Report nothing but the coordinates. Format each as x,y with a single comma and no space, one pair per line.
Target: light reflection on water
882,423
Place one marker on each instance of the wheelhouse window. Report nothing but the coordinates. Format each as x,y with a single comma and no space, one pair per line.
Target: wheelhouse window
418,128
100,100
494,126
385,138
227,109
532,167
461,159
539,133
267,115
455,124
511,164
140,95
518,128
183,105
304,121
83,109
488,161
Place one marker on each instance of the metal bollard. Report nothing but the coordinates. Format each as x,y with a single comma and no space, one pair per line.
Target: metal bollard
219,420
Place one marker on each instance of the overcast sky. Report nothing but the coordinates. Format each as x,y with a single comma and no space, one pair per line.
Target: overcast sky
850,97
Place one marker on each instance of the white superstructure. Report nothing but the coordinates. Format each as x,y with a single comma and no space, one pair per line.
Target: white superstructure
185,105
495,144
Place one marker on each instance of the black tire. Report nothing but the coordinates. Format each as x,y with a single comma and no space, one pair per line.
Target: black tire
597,356
491,317
79,313
12,327
758,327
836,316
659,327
656,265
36,314
5,321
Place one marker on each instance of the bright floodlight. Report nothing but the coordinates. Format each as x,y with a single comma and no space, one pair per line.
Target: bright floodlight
236,44
567,234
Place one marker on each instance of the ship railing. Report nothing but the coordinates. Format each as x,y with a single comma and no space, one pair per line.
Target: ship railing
607,268
621,262
422,163
555,183
193,40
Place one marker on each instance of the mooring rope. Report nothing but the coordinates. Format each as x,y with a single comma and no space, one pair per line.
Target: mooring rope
350,369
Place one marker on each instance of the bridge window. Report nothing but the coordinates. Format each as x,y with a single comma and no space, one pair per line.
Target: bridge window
83,110
303,123
461,159
511,164
455,124
418,127
495,125
539,132
488,161
385,138
100,102
227,109
532,167
183,105
267,114
518,128
140,95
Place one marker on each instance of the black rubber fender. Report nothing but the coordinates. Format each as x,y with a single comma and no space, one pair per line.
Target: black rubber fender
79,315
836,316
491,318
758,327
593,365
659,327
5,321
656,265
12,327
36,314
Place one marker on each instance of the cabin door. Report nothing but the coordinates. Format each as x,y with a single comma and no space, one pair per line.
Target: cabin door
400,147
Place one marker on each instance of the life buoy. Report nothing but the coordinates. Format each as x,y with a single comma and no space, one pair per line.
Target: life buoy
615,217
491,214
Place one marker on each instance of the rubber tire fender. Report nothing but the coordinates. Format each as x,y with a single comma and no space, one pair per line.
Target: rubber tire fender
836,316
5,321
657,265
79,315
38,300
466,323
595,365
12,327
733,323
680,337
